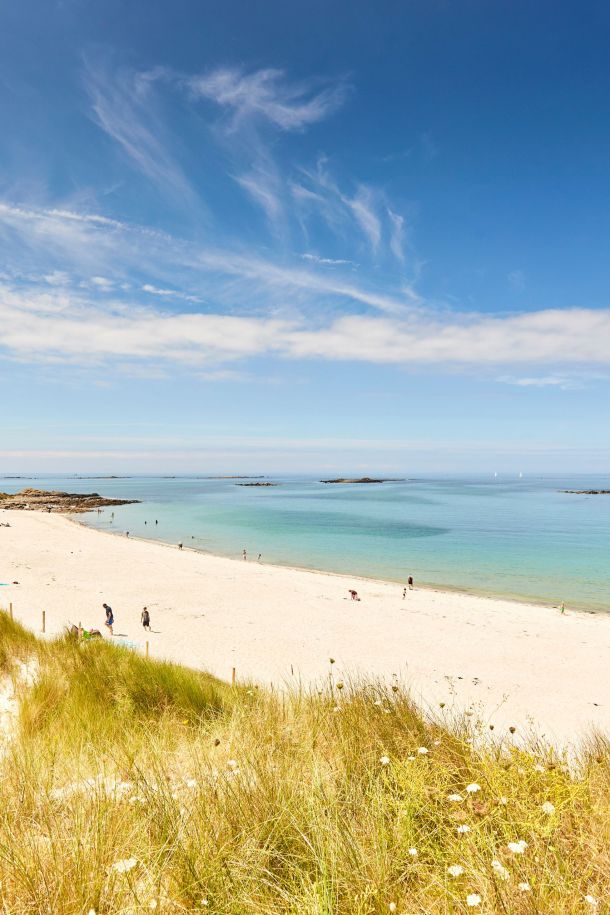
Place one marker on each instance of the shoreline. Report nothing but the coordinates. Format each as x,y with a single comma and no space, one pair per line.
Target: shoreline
354,576
511,664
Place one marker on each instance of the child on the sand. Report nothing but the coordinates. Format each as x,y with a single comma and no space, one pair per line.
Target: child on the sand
353,594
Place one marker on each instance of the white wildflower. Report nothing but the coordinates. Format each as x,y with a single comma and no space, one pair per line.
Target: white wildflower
591,900
455,870
204,902
392,907
463,829
127,864
152,904
377,702
455,797
384,760
232,763
473,900
472,788
437,743
413,852
422,751
539,768
337,708
517,848
500,870
504,801
548,808
411,758
524,887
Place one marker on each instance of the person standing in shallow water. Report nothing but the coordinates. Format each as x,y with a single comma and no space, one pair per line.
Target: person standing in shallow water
410,582
109,623
244,554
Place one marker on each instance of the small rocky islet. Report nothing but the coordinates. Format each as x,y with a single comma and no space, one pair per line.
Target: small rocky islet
587,492
361,480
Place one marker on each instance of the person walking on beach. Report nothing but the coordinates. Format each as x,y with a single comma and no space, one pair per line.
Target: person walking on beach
259,557
410,582
562,608
109,618
245,555
145,619
180,545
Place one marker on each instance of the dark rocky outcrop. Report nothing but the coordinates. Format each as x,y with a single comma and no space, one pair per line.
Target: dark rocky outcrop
588,492
67,502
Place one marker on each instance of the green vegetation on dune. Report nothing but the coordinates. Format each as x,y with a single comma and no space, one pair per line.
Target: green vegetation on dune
134,786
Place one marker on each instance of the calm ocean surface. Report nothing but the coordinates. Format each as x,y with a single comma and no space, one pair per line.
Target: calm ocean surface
504,536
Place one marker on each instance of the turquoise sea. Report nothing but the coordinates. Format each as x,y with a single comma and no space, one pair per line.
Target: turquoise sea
511,536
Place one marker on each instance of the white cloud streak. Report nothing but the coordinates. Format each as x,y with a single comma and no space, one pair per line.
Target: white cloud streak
59,328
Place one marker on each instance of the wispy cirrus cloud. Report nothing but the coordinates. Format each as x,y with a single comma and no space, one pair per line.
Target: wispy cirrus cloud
123,106
268,96
91,247
363,210
397,235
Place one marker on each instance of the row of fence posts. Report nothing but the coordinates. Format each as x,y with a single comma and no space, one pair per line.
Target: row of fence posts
44,629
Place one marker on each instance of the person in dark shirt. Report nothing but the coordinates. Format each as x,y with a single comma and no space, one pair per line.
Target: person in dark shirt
109,618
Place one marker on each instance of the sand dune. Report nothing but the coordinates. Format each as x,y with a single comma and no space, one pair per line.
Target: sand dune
515,663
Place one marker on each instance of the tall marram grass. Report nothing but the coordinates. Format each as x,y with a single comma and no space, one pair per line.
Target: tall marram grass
136,786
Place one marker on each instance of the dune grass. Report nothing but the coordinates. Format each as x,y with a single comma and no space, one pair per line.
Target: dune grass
137,786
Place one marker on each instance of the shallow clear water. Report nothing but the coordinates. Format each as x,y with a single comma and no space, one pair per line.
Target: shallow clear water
514,537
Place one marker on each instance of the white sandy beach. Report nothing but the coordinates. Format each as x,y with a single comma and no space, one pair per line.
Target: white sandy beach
515,663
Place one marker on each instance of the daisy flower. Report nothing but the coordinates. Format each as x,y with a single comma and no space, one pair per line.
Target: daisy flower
413,852
473,900
517,848
463,829
548,808
455,870
473,788
384,760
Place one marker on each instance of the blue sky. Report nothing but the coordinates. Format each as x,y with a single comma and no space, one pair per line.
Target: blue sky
304,236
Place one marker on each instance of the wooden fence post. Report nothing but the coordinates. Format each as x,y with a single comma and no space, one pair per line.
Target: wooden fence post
147,649
233,677
44,620
10,610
